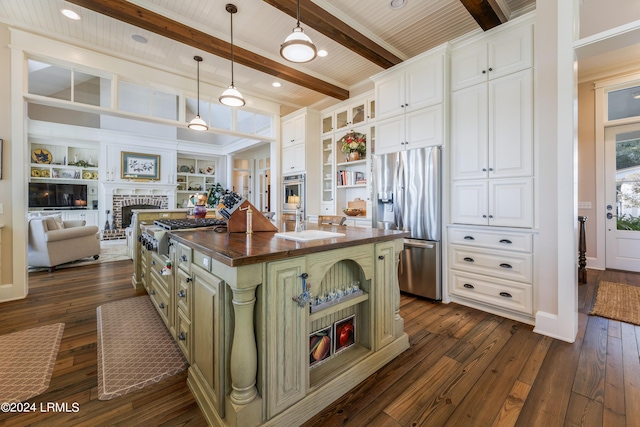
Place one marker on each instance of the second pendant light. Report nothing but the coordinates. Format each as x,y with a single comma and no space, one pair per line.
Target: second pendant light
231,97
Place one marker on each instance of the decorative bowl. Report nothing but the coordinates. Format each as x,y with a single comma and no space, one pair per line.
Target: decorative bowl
352,211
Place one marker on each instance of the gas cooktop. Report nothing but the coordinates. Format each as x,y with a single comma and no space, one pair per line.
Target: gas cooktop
182,223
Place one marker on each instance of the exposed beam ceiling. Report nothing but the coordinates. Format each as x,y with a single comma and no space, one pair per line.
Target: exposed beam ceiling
130,13
487,13
322,21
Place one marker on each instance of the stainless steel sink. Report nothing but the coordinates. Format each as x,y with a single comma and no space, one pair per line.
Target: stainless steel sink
308,235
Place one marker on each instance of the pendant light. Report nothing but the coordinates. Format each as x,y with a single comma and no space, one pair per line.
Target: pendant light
298,47
197,123
231,97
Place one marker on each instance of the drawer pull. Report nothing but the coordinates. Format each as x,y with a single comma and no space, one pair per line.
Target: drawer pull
182,336
183,258
182,294
505,294
161,305
189,279
160,272
506,241
380,257
141,274
152,292
153,263
469,286
505,265
468,259
469,238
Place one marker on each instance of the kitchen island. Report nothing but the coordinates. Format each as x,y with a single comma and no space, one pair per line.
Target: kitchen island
261,319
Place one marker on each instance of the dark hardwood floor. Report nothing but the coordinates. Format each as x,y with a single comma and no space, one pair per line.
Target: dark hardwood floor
464,367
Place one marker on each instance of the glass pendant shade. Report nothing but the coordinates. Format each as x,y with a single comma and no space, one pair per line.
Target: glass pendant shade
232,97
298,47
198,124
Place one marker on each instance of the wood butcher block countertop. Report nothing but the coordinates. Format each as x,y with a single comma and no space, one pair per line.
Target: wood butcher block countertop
238,249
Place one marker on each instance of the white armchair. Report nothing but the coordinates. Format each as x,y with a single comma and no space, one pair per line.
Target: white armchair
52,242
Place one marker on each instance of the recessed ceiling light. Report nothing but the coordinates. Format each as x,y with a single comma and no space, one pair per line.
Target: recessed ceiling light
276,84
70,14
322,53
397,4
138,38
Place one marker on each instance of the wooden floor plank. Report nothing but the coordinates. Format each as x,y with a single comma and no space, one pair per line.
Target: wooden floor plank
440,335
589,379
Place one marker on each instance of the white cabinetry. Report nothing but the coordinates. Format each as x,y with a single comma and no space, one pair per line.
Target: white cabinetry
407,88
492,268
354,112
492,164
293,131
417,129
293,159
89,216
499,56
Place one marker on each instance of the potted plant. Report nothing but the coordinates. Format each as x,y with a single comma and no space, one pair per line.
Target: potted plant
354,144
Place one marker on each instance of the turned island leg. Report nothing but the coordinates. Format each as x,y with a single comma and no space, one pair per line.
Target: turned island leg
244,407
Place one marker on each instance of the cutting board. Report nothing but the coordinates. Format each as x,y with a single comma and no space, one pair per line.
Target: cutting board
238,221
358,204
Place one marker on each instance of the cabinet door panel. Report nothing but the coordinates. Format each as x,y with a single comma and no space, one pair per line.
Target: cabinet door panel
469,133
287,336
424,83
511,202
511,125
390,96
469,67
386,273
511,52
293,159
424,128
469,202
390,135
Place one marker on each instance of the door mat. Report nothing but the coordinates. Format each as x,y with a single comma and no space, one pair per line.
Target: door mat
618,302
135,349
27,359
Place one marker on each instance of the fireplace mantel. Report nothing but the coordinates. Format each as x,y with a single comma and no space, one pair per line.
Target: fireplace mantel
139,188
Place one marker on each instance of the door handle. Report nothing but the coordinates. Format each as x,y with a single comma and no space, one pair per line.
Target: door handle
610,215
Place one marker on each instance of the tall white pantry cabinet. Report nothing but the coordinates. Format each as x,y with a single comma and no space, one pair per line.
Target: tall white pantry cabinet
490,235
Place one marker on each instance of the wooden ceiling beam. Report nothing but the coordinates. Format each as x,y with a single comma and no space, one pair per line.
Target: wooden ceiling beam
125,11
487,13
322,21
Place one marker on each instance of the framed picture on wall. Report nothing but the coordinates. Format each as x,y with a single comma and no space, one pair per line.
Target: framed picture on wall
140,166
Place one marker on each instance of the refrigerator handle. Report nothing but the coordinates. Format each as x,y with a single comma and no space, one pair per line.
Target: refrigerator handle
418,244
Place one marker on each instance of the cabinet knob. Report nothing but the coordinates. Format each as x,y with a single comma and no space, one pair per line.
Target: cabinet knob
490,169
153,263
182,294
484,169
381,257
152,292
484,216
183,258
189,279
406,105
490,69
490,216
161,305
182,336
484,71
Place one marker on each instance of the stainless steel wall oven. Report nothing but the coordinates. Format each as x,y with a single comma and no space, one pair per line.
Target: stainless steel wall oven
293,194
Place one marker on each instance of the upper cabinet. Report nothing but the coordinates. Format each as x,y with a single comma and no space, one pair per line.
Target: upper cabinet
348,115
416,129
497,57
293,130
410,86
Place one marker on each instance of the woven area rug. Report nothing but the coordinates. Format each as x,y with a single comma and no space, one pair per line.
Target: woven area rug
135,348
618,301
27,359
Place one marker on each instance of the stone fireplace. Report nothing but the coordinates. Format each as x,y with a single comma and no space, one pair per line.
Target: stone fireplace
121,198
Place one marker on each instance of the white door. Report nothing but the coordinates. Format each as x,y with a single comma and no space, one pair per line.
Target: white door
622,197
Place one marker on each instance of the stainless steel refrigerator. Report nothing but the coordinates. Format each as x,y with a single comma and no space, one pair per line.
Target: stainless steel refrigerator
407,186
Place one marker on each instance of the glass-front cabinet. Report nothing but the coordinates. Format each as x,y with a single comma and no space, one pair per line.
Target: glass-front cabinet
328,174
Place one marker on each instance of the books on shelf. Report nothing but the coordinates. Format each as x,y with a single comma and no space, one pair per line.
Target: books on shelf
346,177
